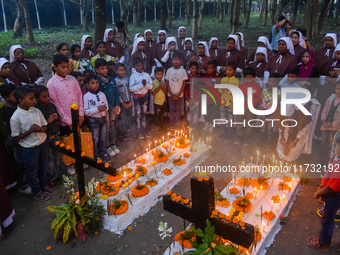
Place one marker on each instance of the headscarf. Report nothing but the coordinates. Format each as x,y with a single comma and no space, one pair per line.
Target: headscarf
135,44
305,73
206,50
11,51
301,41
3,61
261,50
289,43
334,36
214,39
161,31
106,34
146,31
136,36
242,38
235,38
179,30
192,42
265,40
83,39
169,40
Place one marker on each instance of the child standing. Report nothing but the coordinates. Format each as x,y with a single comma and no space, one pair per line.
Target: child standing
107,85
159,101
245,132
80,63
28,129
140,84
226,110
50,114
101,48
95,106
191,110
125,98
176,78
64,91
292,77
266,103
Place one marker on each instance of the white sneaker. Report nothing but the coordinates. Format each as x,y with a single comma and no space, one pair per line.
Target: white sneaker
115,149
71,170
111,152
27,190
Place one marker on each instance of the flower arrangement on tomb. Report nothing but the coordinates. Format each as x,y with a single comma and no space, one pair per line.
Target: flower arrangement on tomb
244,182
141,170
268,215
140,190
152,182
118,207
242,204
193,149
140,160
234,191
179,161
167,171
276,199
220,200
179,199
182,143
165,146
109,190
260,183
184,238
250,195
115,178
235,218
153,163
186,155
287,179
160,156
284,186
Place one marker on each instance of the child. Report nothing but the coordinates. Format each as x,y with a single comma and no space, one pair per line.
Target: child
192,110
86,47
125,97
107,85
330,194
140,84
81,81
329,117
95,106
292,75
50,114
64,91
80,63
245,132
159,100
266,103
138,51
226,110
62,48
28,129
5,76
210,79
7,92
86,73
175,78
111,68
101,48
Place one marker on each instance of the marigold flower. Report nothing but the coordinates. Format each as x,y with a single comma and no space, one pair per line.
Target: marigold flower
186,201
57,143
179,198
62,145
214,212
107,165
99,161
200,179
48,248
168,193
82,154
130,228
68,147
242,223
235,220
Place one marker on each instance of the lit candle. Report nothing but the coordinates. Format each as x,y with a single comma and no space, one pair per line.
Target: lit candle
261,189
124,176
149,146
163,139
280,199
147,159
273,160
272,204
264,159
135,159
257,158
251,160
283,198
264,225
155,143
255,190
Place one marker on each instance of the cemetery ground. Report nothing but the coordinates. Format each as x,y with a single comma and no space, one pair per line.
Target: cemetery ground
30,232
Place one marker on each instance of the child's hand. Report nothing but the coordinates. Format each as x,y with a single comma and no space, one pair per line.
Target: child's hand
144,82
316,195
52,118
102,108
116,109
34,128
162,84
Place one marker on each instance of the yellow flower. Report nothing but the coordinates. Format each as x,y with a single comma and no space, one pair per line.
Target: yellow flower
137,176
130,174
105,197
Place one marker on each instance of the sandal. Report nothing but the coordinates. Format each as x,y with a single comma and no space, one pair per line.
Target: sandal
320,211
313,242
50,190
42,196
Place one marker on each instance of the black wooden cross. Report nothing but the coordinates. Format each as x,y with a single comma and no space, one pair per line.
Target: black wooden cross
203,204
76,154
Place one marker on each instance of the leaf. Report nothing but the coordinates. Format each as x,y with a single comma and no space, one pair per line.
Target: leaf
74,225
58,219
59,226
225,249
201,250
81,214
198,231
257,215
210,235
54,209
66,234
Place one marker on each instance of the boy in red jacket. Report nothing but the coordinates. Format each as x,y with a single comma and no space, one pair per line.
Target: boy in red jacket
245,132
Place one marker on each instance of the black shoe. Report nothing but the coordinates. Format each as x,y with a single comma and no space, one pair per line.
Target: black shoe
337,218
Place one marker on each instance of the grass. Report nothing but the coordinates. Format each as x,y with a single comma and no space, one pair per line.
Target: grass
48,38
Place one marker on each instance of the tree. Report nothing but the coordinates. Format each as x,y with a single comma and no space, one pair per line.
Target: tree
234,16
124,13
100,20
337,12
28,21
163,6
246,21
262,10
201,14
85,6
323,13
19,21
169,7
273,12
266,9
194,19
310,21
222,11
136,11
187,11
219,8
296,6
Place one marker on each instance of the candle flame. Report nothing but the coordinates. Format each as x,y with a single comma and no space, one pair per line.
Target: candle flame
264,224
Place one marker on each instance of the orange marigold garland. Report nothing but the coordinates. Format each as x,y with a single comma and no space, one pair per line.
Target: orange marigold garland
167,171
268,215
284,186
118,207
140,160
141,170
244,182
242,204
160,156
183,238
186,155
260,182
140,190
115,178
152,182
179,161
182,143
234,191
276,199
109,190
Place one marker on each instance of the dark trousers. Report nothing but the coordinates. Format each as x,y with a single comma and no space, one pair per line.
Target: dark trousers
98,130
53,170
332,204
175,111
139,103
125,119
36,162
111,128
19,163
159,114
